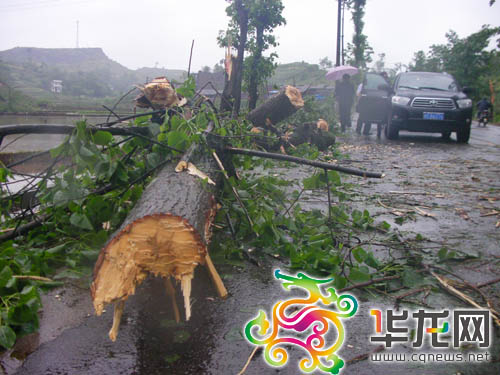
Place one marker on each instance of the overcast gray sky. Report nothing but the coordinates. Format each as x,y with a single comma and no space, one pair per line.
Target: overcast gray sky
143,33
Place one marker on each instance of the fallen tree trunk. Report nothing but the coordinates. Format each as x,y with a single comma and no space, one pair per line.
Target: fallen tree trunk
312,133
166,234
276,109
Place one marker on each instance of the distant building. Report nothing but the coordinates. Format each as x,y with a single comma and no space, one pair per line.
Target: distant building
209,83
56,86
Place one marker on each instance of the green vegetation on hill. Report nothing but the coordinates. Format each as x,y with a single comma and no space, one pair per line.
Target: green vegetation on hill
299,74
12,100
90,78
87,74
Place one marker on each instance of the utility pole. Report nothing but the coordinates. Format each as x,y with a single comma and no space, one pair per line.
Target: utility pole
77,36
343,14
339,21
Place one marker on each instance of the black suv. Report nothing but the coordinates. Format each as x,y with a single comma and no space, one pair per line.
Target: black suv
429,102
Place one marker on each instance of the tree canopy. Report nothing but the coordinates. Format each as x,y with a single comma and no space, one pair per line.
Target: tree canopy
468,59
263,17
359,51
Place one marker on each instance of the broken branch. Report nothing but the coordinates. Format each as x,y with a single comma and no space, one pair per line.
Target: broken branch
303,161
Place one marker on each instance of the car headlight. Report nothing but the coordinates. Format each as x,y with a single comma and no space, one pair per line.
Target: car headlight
401,100
464,103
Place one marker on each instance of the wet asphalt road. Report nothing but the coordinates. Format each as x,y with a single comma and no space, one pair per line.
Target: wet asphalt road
458,177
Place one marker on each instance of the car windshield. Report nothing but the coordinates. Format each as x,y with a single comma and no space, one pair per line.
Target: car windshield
428,82
373,81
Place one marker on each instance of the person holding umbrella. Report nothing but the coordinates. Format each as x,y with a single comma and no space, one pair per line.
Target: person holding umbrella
344,94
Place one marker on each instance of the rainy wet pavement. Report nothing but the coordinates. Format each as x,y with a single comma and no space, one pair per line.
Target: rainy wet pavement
455,185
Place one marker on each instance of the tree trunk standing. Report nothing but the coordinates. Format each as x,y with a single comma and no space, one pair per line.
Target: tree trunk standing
254,75
226,104
236,89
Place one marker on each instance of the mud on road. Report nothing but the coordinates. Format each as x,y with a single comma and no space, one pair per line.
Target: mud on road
447,192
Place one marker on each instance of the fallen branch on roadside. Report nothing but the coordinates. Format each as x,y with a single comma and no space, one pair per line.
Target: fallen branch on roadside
34,278
494,281
248,361
368,283
417,193
294,159
452,290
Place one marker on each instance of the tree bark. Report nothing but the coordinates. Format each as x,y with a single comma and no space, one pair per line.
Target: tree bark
242,12
311,133
226,104
254,75
277,108
166,234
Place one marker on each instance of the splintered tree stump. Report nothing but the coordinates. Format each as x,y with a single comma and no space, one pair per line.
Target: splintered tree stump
277,108
315,133
166,234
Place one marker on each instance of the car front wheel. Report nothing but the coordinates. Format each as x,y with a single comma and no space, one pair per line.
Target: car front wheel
445,135
463,134
391,131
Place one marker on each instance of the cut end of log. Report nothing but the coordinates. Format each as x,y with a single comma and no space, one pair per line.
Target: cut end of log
295,96
163,245
322,124
159,94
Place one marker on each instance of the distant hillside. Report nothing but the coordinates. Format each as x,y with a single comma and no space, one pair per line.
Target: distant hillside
299,74
84,71
70,56
87,74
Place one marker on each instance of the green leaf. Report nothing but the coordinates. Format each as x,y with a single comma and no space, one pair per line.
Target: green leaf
178,140
60,198
28,294
313,182
55,152
411,278
154,129
102,138
188,88
171,358
371,261
4,172
5,276
359,254
419,237
85,152
98,209
339,281
7,337
442,254
81,221
334,178
67,274
153,159
357,275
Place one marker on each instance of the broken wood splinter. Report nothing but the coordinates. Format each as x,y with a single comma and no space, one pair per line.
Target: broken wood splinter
166,234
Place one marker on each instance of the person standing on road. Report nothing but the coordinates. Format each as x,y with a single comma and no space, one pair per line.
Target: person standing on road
344,94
